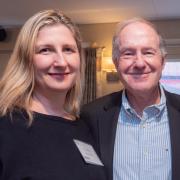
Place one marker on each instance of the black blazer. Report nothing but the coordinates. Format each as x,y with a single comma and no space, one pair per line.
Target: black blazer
102,115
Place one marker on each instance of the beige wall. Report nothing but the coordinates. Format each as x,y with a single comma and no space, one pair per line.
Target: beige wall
170,29
6,46
99,33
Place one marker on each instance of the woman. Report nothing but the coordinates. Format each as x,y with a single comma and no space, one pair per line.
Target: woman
40,94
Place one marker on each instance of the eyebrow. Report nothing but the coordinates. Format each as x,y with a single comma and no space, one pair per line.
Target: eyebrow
150,48
127,49
71,45
42,45
134,49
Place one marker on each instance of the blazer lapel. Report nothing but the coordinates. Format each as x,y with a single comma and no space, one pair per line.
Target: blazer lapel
174,123
107,131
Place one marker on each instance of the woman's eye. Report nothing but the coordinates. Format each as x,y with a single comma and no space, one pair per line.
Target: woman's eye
69,50
44,50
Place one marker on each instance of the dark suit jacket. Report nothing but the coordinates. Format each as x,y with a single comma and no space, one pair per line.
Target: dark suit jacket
102,115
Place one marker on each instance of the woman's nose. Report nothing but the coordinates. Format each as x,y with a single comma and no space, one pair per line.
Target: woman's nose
60,59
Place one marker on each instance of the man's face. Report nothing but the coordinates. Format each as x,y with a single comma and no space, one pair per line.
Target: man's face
140,64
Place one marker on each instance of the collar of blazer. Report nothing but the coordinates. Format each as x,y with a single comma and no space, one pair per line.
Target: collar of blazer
172,100
107,128
113,100
173,108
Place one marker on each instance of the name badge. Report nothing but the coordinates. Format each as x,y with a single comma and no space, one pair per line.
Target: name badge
88,153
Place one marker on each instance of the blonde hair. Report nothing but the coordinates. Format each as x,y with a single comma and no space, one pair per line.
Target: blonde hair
18,81
120,26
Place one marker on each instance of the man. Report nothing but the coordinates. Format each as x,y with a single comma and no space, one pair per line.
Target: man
138,129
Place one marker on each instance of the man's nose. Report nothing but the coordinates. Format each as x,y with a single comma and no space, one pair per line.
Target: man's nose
140,60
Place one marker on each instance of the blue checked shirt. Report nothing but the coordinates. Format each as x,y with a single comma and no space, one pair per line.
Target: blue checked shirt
142,145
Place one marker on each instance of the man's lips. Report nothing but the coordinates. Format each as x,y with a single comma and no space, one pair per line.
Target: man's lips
139,73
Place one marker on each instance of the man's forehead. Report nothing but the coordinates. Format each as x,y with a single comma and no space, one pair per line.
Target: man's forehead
137,25
139,30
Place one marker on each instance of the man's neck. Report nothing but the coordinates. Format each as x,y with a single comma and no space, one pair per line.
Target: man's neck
139,101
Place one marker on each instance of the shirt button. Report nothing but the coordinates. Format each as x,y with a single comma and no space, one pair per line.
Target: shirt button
145,153
143,125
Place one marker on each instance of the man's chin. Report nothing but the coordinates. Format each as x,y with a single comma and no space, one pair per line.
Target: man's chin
139,88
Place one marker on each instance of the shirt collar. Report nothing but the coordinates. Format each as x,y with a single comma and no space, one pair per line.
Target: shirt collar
155,109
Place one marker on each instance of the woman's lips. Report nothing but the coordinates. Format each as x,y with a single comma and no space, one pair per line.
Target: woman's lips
59,75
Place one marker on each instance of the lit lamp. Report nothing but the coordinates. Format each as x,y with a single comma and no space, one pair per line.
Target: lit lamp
99,55
109,67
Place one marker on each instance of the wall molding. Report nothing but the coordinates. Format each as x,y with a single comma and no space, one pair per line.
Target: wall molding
3,51
172,42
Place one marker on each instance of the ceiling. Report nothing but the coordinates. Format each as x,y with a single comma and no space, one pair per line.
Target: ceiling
16,12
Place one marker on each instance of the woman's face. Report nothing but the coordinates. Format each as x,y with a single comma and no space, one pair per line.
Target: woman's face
56,59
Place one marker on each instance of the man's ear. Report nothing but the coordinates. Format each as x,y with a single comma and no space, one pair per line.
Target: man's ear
116,64
163,62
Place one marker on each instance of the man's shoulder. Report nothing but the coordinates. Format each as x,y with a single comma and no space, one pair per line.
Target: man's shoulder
173,99
102,102
91,111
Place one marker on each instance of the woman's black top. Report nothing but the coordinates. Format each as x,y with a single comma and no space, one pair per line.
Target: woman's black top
45,150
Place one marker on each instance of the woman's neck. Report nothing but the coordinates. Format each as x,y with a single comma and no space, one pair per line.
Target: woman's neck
51,104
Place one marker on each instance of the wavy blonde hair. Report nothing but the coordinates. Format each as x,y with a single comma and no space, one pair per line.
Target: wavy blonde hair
18,81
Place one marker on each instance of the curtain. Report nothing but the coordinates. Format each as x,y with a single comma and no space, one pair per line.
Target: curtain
90,75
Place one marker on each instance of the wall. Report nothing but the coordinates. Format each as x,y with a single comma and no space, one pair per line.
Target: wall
6,46
169,29
99,33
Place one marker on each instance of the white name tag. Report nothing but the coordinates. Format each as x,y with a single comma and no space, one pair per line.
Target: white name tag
88,153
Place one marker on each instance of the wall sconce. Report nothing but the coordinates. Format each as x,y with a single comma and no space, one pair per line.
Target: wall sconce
99,56
112,77
108,65
109,68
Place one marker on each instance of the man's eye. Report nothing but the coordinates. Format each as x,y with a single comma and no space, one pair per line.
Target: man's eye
128,54
149,53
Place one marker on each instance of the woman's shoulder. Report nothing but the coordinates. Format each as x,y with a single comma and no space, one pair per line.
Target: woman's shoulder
13,120
13,133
